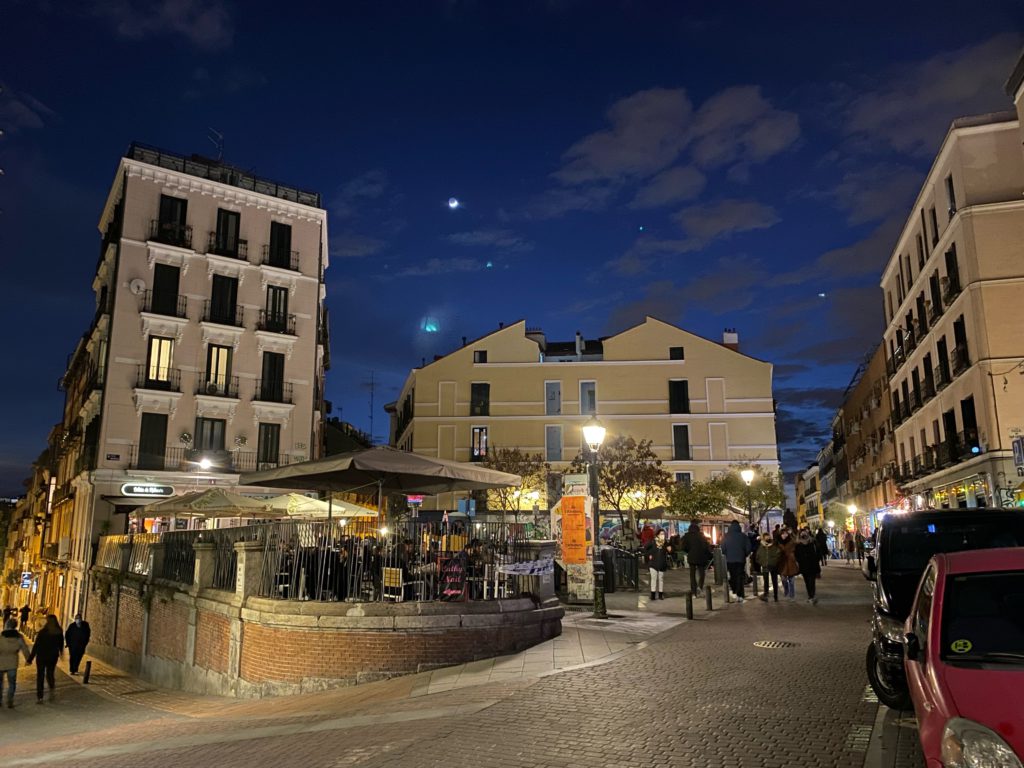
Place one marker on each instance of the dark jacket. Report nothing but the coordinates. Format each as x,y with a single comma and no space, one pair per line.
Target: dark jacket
78,636
735,545
821,542
47,648
657,557
696,547
807,558
768,557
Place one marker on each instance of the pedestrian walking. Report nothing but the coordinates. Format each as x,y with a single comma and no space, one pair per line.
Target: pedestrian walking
858,541
24,613
698,555
657,556
788,567
821,544
768,561
11,644
736,547
76,639
848,547
48,647
806,554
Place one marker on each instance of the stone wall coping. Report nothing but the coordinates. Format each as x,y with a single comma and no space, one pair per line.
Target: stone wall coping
249,546
206,546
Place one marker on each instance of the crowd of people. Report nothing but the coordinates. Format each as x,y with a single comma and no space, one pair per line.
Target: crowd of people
750,559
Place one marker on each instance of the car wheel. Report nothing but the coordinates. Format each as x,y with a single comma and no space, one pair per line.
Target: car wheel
888,684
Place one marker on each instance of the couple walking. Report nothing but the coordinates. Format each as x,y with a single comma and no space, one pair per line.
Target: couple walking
46,651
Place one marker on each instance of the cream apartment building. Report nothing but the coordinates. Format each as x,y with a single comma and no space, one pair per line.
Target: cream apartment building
206,355
703,404
952,292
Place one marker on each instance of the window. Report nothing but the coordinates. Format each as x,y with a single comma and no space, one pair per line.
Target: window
226,241
984,607
165,290
280,251
678,396
268,446
920,253
171,227
552,443
922,614
209,434
588,397
950,195
480,356
218,369
223,299
152,441
277,308
676,353
480,399
478,444
680,442
158,367
272,377
553,398
684,478
935,227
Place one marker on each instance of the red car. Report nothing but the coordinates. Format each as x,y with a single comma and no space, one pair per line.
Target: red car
965,659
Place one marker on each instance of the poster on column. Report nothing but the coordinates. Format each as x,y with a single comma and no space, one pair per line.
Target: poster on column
575,548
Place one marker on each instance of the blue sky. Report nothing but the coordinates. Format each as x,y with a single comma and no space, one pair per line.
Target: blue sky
715,167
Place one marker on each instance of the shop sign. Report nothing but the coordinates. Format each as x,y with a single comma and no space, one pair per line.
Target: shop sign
575,485
1018,451
147,490
26,579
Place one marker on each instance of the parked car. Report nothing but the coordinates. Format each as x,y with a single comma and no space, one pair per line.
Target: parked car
965,659
903,546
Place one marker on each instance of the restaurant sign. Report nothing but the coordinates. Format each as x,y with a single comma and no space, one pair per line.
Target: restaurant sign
147,490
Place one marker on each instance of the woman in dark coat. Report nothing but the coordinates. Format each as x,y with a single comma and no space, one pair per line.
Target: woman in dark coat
47,649
810,566
698,555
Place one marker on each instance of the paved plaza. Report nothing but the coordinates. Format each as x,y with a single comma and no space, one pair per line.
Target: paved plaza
645,688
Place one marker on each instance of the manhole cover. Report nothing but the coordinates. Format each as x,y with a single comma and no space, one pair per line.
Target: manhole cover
774,644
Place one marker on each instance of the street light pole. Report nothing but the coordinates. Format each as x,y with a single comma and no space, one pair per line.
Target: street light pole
748,478
593,435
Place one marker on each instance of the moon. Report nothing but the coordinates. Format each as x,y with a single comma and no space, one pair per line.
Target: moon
453,203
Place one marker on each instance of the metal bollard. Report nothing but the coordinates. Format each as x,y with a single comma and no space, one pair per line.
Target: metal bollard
707,598
689,605
725,590
88,671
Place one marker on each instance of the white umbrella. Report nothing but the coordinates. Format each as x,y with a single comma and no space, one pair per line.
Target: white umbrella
297,505
213,502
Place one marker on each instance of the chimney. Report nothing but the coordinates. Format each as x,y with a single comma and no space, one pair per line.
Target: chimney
500,325
463,341
579,343
537,335
731,339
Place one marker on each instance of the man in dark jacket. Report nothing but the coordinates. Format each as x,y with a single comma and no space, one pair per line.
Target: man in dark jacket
736,547
810,567
698,555
48,647
24,612
76,638
821,544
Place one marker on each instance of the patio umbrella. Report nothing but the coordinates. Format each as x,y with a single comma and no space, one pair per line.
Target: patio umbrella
213,502
391,470
297,505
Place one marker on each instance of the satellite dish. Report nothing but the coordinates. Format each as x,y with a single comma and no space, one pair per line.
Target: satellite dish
137,286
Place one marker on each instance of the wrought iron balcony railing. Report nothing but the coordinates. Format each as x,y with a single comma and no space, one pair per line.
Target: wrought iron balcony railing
280,258
222,246
163,303
275,322
170,233
234,316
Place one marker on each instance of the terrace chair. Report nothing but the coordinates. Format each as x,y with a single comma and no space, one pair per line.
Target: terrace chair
392,587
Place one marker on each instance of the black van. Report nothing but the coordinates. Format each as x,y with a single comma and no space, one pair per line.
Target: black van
904,544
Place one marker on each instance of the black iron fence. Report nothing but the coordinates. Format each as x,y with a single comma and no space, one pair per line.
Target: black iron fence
627,568
179,561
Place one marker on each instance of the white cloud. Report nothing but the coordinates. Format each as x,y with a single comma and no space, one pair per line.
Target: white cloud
22,111
349,245
739,124
204,23
367,186
704,223
671,186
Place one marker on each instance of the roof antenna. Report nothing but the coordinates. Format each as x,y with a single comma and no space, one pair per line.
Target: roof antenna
217,139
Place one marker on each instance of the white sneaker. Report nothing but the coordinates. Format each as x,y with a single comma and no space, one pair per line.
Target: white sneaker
739,600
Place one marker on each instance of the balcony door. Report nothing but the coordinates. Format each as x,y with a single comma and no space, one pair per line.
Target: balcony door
280,245
173,212
277,308
223,299
269,445
158,367
227,232
272,378
218,369
165,289
969,419
152,441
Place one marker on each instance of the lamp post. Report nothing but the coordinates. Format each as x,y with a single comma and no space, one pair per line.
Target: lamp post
748,478
593,435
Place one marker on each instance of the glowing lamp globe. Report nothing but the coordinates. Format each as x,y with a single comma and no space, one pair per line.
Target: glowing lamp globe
747,475
593,433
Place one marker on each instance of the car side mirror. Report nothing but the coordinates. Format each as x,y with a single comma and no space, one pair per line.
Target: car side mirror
912,646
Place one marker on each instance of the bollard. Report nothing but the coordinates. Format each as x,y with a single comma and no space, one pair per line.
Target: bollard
728,598
689,604
707,598
88,671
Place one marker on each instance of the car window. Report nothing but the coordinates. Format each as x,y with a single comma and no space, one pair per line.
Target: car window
983,616
922,617
910,543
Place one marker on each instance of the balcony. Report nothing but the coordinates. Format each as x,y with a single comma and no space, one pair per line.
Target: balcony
233,316
927,390
158,378
280,258
276,322
273,392
86,460
178,458
220,246
170,233
942,378
162,303
920,328
218,386
961,360
910,341
252,461
890,367
950,289
934,312
915,402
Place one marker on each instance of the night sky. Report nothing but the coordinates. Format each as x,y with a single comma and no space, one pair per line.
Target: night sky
748,165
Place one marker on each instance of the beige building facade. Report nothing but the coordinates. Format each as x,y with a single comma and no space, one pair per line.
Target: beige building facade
704,405
206,355
952,293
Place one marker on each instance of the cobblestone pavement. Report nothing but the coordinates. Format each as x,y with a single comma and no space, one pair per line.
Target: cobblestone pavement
698,694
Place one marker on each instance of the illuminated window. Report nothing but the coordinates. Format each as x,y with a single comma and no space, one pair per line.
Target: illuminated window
161,352
478,447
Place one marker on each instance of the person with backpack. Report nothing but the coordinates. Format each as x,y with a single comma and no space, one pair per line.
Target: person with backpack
698,555
47,649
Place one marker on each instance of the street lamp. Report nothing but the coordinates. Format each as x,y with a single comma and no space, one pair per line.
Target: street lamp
593,436
748,478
